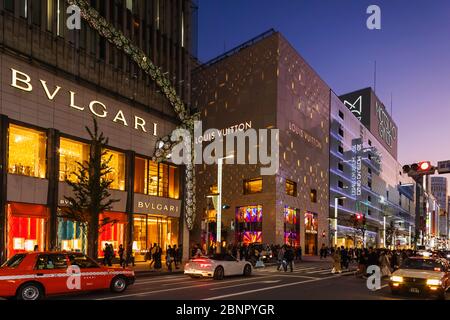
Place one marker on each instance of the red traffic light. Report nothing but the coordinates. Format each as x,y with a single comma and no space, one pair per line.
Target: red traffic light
424,166
359,216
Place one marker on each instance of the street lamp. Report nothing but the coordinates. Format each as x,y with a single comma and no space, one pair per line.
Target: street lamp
219,202
336,203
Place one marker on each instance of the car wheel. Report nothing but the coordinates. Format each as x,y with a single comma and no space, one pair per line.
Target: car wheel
247,270
30,291
442,295
118,284
219,273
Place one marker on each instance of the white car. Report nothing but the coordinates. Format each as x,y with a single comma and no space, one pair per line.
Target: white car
217,266
422,274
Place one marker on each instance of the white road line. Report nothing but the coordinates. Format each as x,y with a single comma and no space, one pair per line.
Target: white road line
319,271
180,288
157,281
268,288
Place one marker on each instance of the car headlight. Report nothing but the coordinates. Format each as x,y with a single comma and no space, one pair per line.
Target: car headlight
396,279
434,282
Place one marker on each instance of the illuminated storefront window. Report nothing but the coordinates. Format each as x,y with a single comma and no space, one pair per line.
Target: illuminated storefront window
249,224
149,230
155,179
253,186
291,226
71,236
117,165
27,228
291,188
311,233
71,152
26,152
112,233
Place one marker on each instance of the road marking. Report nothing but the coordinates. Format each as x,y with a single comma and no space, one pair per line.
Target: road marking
180,288
268,288
319,271
142,281
244,284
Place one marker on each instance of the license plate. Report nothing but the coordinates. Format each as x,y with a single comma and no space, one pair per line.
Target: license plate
414,290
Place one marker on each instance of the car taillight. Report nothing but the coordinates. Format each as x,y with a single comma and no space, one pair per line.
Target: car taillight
205,265
199,260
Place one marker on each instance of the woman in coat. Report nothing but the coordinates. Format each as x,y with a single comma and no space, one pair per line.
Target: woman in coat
385,265
336,261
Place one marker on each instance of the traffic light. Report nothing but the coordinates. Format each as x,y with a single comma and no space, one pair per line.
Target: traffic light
359,216
423,168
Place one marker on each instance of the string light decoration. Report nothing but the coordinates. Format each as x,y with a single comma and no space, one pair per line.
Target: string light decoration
165,145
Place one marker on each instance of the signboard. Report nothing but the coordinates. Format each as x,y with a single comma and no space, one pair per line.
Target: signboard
444,167
356,165
372,113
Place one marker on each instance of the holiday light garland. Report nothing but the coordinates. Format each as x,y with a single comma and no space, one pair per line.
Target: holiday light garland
164,146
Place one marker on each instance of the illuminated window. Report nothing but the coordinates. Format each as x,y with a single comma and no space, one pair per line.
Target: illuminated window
71,152
161,180
49,15
249,224
153,179
291,226
27,149
313,195
117,166
140,175
291,188
253,186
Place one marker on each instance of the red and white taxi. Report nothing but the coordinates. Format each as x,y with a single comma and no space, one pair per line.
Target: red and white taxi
32,276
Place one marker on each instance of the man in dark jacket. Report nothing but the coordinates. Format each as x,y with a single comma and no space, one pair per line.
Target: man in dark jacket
289,257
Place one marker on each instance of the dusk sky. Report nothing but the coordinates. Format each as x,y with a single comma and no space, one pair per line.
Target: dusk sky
412,51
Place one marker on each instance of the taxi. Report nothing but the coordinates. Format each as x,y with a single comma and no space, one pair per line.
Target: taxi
33,276
422,274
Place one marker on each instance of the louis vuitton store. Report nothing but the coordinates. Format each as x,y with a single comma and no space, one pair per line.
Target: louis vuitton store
43,137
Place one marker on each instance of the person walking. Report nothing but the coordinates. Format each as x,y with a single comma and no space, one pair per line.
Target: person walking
280,258
121,252
130,255
336,261
385,265
289,257
157,257
169,258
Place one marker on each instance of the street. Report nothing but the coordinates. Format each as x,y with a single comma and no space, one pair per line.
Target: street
308,281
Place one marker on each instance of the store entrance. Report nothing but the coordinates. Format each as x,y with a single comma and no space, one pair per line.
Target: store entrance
311,244
149,230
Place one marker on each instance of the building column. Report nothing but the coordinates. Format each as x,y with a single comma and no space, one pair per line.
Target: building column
183,229
53,179
4,122
130,164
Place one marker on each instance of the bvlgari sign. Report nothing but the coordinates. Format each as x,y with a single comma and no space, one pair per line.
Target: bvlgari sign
156,205
23,81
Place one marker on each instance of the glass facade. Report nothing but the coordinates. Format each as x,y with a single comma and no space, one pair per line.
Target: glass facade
71,152
117,165
27,226
148,230
291,226
155,179
71,236
249,224
26,152
113,232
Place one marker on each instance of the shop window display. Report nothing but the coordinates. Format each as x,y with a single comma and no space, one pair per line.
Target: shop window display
71,236
26,152
117,165
70,153
291,226
249,224
27,228
112,233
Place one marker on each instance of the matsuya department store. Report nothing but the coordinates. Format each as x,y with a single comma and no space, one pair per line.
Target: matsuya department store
37,161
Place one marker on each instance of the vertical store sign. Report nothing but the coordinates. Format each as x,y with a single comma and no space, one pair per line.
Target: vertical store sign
356,163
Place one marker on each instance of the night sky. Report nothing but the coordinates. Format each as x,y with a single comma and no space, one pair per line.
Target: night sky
412,51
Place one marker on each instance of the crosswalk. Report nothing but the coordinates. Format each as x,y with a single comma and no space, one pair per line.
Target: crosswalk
306,269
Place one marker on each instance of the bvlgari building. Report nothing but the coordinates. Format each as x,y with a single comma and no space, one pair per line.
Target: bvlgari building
53,81
266,84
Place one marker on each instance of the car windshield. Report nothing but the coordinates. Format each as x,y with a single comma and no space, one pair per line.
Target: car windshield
422,264
15,261
222,257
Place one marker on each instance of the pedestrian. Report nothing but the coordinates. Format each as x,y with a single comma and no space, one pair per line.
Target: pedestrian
157,257
336,261
179,255
122,257
280,258
384,265
169,258
130,255
362,262
289,257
